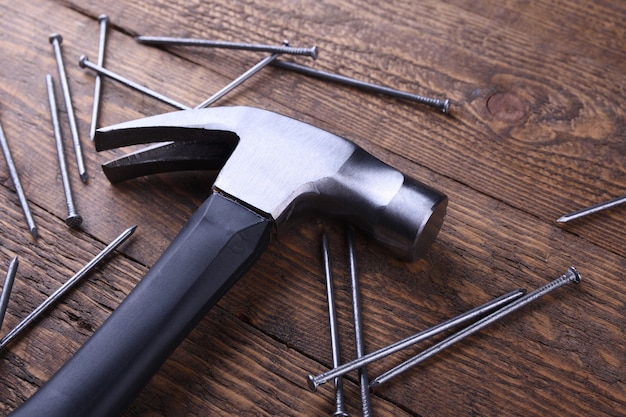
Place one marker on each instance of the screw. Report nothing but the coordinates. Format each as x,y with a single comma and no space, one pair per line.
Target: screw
6,288
358,325
443,105
570,276
104,20
65,287
334,335
85,63
315,381
161,40
237,81
593,209
55,40
73,218
16,182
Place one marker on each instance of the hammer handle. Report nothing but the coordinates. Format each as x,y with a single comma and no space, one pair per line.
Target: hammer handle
216,246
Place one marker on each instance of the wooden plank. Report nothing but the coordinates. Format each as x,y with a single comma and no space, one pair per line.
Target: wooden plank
535,132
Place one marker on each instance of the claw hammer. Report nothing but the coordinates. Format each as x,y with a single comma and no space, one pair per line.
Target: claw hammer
273,170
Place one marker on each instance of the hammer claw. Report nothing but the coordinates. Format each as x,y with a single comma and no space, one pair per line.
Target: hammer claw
168,157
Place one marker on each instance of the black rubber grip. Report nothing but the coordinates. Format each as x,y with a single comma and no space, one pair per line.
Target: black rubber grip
218,244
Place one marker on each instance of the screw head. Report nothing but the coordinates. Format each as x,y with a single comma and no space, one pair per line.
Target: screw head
55,37
103,18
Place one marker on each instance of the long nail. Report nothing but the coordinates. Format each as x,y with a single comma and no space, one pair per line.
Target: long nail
73,219
570,276
55,40
442,105
65,287
289,50
7,287
358,324
104,21
591,210
18,185
334,334
237,81
85,63
315,381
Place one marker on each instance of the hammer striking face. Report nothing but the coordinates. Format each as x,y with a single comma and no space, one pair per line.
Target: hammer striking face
273,170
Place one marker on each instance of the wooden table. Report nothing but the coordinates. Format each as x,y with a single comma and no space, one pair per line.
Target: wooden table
536,130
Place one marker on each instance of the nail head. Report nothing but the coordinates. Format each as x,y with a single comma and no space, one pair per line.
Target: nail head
55,37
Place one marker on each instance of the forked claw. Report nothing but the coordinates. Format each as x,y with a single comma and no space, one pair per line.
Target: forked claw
168,157
176,148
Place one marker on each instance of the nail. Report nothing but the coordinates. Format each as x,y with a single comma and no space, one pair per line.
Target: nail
7,287
162,40
358,324
237,81
443,105
65,287
18,185
570,276
56,39
85,63
334,334
73,218
591,210
315,381
104,21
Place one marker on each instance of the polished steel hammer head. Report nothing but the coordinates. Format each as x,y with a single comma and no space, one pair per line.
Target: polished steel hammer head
273,169
282,168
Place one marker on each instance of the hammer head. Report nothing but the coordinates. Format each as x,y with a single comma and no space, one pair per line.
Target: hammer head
282,168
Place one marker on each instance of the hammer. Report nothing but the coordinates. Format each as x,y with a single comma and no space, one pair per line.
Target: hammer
274,170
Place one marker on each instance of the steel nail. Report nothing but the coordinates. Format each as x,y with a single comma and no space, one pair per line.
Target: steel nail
358,324
239,80
591,210
16,182
289,50
334,334
315,381
7,287
73,219
443,105
570,276
56,39
65,287
104,21
85,63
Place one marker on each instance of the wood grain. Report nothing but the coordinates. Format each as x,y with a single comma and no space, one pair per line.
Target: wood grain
536,130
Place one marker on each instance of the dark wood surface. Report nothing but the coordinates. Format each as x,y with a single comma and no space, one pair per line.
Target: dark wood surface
536,130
